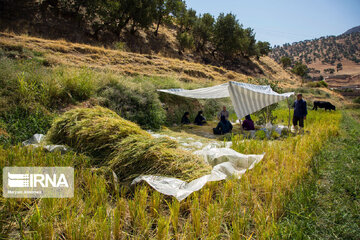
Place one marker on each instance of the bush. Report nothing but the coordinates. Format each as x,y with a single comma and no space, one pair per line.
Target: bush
318,84
186,41
357,100
120,46
21,123
30,84
261,134
77,84
138,104
274,135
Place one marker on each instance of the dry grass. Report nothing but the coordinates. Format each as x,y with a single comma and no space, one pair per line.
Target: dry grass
133,64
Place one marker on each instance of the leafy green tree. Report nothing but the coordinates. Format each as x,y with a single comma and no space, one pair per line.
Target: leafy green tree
263,48
285,62
142,13
227,35
163,9
186,41
185,18
203,31
329,70
339,67
248,43
300,69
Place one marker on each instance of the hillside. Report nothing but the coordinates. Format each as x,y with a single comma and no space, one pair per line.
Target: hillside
326,56
57,52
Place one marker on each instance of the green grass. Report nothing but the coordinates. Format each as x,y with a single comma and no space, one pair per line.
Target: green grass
327,204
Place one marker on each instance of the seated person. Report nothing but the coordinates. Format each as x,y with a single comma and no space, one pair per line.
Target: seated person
185,118
248,123
224,112
200,119
223,127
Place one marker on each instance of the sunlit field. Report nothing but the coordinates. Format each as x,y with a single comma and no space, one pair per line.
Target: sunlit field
248,208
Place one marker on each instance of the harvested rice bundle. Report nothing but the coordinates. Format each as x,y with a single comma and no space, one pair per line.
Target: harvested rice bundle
123,145
142,155
95,131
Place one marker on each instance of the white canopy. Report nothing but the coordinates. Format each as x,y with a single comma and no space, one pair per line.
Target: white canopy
246,98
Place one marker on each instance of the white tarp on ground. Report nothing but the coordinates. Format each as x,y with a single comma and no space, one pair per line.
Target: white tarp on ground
36,141
246,98
226,163
231,164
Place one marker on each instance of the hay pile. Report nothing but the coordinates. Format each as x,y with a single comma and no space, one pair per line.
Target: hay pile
124,146
159,156
94,131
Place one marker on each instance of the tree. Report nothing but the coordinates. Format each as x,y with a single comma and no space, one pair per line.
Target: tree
227,35
285,62
142,13
162,10
203,31
263,48
248,43
185,41
329,70
300,69
185,18
339,67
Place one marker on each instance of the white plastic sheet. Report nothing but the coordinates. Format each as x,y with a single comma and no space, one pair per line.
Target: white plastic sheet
227,162
36,140
246,98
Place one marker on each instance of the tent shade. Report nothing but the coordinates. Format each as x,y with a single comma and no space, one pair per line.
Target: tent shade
246,98
219,91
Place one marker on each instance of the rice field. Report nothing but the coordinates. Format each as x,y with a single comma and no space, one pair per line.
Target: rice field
101,208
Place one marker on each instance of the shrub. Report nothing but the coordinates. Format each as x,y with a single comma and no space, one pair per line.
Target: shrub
139,104
120,46
357,100
318,84
261,135
21,123
186,41
79,85
274,135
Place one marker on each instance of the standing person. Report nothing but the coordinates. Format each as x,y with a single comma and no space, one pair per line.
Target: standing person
300,112
224,113
185,118
223,127
200,119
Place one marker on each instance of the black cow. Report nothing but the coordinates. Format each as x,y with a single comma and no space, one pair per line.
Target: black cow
323,104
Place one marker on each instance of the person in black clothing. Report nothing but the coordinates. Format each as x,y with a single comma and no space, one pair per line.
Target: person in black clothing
185,118
200,119
248,123
300,112
224,126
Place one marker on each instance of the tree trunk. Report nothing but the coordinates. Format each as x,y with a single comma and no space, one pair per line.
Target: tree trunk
157,27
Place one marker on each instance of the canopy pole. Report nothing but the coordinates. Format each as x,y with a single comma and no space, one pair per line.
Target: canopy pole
289,112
